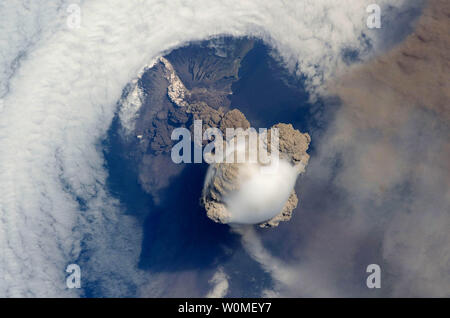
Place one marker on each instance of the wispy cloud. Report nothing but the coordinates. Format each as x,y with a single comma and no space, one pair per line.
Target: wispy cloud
220,284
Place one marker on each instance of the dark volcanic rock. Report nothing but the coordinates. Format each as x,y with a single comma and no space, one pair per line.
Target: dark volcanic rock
209,68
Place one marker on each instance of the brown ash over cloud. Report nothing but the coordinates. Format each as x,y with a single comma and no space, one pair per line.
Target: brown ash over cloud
377,191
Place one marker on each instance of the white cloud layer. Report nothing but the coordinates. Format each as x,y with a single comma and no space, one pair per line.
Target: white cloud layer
60,87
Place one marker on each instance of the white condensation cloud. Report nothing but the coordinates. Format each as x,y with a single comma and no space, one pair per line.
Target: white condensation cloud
59,100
